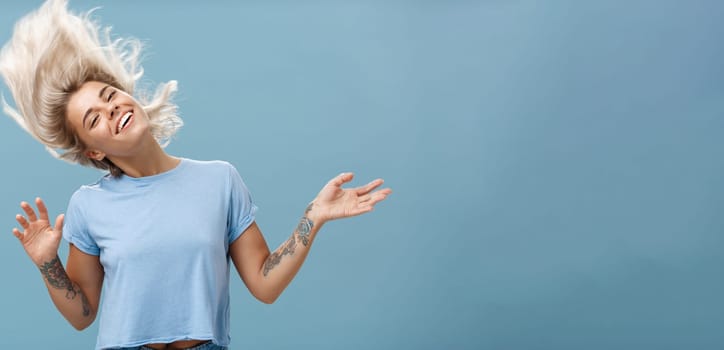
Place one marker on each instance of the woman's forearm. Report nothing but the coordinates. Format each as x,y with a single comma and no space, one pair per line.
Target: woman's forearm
280,267
268,274
67,296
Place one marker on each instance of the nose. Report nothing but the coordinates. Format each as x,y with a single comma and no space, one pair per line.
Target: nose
114,110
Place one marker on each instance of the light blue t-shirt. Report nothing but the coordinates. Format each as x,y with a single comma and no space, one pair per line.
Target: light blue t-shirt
163,242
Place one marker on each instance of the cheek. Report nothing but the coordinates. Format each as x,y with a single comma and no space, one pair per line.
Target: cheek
143,115
88,140
96,136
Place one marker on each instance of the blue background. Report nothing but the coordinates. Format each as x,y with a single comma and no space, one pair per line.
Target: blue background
557,168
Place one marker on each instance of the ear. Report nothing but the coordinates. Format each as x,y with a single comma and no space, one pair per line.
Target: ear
97,155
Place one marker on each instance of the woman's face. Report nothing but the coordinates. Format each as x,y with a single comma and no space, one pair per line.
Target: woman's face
107,120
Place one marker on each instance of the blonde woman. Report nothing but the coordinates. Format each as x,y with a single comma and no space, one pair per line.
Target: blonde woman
158,233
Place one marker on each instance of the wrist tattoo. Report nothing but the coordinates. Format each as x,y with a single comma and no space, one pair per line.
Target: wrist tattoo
57,278
304,228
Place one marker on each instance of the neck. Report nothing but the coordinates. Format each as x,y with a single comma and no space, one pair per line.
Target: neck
151,162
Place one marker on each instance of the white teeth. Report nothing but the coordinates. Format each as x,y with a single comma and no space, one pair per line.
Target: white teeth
123,121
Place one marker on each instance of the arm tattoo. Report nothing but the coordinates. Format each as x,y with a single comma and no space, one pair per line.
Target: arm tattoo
305,226
303,229
57,278
276,257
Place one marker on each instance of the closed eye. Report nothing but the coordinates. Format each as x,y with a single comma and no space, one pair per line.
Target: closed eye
94,121
110,96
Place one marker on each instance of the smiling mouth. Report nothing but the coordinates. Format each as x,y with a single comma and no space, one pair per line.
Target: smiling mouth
124,121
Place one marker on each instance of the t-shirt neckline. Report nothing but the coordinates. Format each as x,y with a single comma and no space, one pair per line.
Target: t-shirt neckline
153,178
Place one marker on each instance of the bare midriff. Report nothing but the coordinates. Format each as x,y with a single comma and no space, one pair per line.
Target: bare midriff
177,345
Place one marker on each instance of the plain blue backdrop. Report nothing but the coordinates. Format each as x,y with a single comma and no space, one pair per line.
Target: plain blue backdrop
557,167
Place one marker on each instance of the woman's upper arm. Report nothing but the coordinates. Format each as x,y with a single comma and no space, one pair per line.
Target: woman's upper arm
86,270
248,252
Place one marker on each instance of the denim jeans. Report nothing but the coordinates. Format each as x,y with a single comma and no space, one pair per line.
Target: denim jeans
204,346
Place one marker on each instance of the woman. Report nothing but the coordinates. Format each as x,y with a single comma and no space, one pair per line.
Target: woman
158,233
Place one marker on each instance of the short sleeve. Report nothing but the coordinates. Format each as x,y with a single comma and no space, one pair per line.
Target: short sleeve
242,210
75,230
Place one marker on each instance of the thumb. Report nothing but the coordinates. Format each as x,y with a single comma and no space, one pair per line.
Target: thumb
59,224
341,179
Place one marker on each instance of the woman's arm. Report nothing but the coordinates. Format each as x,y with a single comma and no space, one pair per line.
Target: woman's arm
268,274
75,291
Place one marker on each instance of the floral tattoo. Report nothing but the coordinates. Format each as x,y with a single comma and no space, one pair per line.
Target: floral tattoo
304,228
57,278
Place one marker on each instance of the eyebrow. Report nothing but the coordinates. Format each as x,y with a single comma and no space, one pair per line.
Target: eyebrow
100,95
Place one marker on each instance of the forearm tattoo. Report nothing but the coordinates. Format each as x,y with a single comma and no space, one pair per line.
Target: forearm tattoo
57,278
304,228
276,257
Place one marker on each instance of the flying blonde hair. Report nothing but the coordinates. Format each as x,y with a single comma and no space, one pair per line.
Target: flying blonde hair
51,54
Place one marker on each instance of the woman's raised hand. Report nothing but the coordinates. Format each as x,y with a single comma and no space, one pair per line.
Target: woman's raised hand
40,240
335,202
